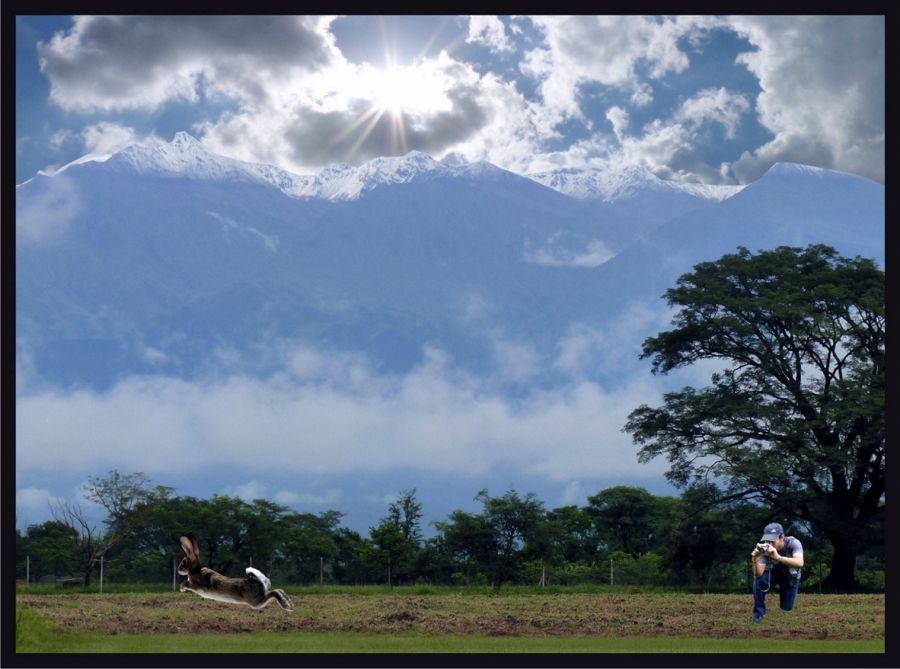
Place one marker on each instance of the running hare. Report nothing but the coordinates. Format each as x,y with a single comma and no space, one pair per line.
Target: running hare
254,589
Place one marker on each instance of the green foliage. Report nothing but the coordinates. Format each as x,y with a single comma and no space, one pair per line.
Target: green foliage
796,418
514,522
699,543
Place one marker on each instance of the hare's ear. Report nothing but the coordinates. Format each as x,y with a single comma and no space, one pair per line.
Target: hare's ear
187,544
196,545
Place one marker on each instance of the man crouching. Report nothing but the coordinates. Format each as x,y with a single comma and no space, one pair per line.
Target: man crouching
777,560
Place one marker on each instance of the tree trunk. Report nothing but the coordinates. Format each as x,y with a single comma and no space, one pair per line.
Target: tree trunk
842,577
87,573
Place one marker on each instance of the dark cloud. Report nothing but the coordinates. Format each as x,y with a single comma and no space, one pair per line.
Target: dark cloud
128,61
322,138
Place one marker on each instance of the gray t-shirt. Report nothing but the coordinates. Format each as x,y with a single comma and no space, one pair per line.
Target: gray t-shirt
792,548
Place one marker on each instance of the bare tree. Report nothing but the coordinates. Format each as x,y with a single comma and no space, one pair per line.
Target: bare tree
119,495
91,543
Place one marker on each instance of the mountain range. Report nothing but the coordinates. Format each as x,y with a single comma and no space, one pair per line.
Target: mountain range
162,256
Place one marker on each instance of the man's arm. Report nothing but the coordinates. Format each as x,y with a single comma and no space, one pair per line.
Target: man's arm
796,561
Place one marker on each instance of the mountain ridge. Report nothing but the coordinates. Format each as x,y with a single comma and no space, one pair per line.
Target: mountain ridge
186,156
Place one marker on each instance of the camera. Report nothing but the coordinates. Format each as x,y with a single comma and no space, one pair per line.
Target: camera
763,548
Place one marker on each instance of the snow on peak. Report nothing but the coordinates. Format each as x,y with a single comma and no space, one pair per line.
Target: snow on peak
345,182
622,183
397,169
796,168
184,156
185,139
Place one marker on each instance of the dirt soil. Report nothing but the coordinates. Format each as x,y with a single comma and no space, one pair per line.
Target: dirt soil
560,615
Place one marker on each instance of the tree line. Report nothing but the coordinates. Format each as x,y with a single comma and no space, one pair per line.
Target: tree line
623,535
791,428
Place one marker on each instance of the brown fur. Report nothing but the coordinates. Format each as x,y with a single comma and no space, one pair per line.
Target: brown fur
210,584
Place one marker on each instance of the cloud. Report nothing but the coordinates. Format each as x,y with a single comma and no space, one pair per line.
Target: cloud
125,62
292,99
557,254
248,491
517,361
619,119
614,347
318,138
45,217
823,102
605,50
328,498
434,418
105,137
154,356
716,106
669,148
823,86
490,31
348,114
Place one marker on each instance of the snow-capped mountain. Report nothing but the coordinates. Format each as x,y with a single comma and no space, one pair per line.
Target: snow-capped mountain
185,157
165,257
630,182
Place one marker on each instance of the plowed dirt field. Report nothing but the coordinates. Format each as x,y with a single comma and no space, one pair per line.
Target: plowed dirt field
832,617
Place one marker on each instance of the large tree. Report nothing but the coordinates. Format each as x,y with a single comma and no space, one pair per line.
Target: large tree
796,416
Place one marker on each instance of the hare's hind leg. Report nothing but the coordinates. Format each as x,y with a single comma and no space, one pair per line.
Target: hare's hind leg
284,601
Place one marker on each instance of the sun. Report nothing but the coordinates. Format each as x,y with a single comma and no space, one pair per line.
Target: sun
397,100
407,89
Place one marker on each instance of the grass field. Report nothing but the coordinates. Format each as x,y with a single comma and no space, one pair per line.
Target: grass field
448,623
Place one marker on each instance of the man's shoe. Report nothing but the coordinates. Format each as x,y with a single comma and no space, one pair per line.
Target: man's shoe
757,620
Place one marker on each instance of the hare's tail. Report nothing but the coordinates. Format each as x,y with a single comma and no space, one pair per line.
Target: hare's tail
259,576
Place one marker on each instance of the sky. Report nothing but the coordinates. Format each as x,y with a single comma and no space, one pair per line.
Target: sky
702,99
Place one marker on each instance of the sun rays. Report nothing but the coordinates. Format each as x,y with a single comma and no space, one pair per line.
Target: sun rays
394,99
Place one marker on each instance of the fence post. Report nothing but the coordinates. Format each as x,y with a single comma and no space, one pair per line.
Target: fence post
611,571
101,574
321,572
173,575
27,570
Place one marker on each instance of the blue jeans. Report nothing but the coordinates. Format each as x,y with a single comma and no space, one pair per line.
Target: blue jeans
774,577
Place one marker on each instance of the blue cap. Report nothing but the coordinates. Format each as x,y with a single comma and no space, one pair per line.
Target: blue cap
772,532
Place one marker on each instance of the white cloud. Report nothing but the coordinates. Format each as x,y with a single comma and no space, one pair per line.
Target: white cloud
434,419
297,500
823,86
517,360
154,356
107,137
619,119
557,254
293,100
45,219
344,114
612,347
578,348
489,30
605,50
62,137
716,106
248,491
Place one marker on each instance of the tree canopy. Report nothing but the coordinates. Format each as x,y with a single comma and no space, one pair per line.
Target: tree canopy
796,415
